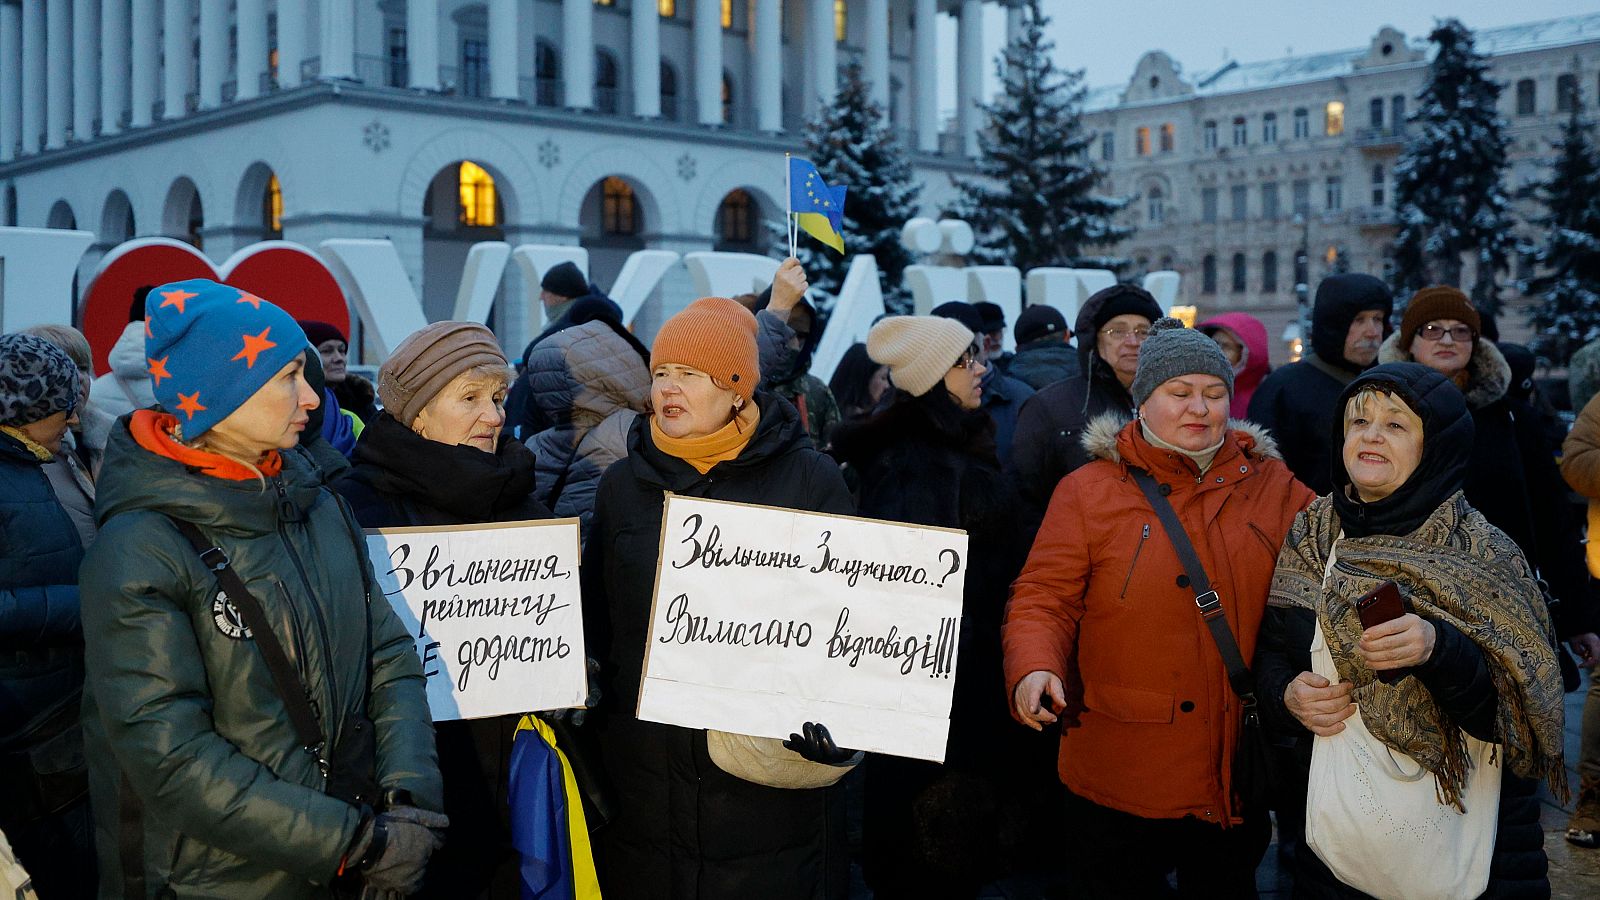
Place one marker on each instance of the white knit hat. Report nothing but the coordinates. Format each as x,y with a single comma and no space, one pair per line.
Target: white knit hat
918,350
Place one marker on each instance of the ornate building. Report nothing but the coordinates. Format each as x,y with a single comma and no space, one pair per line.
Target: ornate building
1254,177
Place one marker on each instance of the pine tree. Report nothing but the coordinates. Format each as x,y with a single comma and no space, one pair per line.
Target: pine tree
1449,197
1568,314
851,144
1035,204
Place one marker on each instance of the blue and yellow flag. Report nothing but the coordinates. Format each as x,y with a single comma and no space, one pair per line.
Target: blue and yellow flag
817,208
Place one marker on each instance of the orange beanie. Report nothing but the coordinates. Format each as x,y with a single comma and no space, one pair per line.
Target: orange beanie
717,336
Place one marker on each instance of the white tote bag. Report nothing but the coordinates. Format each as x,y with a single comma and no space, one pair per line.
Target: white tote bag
1372,814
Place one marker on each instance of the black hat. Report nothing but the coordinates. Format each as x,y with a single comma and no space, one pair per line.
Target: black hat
1037,322
1124,300
565,280
994,318
962,312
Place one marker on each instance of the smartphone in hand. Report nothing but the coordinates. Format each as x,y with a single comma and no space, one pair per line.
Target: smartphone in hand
1382,604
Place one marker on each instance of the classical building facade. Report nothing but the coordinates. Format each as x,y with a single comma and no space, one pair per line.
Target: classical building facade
615,124
1253,177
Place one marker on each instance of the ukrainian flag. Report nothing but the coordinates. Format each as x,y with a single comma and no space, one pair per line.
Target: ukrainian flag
547,822
817,208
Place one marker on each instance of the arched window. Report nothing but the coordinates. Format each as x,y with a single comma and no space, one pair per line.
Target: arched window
1156,205
605,82
1269,272
1335,118
736,218
1241,131
1269,128
619,212
196,223
475,66
1169,137
669,91
272,209
547,74
1238,273
477,204
727,98
1302,123
1208,274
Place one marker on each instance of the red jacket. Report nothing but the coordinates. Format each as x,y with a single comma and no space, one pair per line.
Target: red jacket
1151,721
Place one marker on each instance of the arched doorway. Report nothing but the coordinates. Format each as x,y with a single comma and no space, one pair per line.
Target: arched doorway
258,207
612,221
61,216
740,226
116,219
183,215
463,206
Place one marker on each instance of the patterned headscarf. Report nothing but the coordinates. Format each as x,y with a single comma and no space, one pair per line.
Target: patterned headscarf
37,380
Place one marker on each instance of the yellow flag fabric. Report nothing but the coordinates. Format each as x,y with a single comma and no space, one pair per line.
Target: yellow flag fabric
585,884
818,226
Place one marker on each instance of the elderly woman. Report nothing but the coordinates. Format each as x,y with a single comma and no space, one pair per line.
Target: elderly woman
1476,641
684,827
436,455
1103,631
221,767
89,435
45,811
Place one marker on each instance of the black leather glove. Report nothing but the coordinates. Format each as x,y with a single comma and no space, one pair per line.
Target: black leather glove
590,701
816,744
392,848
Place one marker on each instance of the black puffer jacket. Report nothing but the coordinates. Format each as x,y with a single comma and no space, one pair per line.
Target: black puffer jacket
684,829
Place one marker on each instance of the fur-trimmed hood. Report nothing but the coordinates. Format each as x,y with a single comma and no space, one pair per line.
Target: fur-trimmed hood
1488,373
1100,438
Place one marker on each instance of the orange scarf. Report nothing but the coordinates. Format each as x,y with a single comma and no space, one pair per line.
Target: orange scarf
706,451
153,432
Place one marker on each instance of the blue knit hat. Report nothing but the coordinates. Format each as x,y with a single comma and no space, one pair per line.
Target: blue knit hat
210,347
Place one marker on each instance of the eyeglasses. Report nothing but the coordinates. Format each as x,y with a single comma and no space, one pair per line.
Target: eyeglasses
968,360
1122,334
1459,333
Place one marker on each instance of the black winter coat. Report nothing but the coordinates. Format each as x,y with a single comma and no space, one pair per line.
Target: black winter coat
401,479
1459,681
1297,404
1043,363
1048,443
683,828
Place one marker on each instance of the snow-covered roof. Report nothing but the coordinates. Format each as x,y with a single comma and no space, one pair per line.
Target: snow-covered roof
1234,77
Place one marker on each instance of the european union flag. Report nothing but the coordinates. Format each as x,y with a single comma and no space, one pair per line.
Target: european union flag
817,208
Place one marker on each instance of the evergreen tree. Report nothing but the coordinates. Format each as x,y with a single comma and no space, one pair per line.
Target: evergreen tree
1449,199
851,144
1035,204
1568,314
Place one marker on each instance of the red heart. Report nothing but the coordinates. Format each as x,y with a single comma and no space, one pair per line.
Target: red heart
283,272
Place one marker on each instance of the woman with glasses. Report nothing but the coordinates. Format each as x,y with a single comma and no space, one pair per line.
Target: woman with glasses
927,457
1520,491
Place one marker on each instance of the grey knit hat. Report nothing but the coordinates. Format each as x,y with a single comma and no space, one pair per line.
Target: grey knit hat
37,380
1174,349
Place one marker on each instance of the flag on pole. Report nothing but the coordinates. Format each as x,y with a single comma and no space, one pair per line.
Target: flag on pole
814,206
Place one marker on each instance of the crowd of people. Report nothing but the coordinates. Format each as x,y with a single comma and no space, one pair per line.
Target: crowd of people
1198,593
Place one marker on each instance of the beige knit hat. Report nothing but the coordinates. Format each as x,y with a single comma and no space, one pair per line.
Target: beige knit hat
918,350
430,359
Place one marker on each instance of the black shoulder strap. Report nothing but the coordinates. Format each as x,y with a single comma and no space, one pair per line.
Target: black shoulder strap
1239,675
291,690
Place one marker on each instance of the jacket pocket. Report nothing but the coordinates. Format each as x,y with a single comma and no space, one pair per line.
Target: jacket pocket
1266,540
1127,581
1128,704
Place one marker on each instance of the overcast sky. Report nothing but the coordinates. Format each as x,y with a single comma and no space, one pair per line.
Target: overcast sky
1107,37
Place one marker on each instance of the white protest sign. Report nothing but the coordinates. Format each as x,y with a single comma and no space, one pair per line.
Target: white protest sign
494,610
764,619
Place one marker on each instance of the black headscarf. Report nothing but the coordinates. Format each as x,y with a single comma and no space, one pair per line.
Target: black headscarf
1446,448
1340,298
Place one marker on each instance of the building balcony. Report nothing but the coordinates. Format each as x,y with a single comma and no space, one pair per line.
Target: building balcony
1373,217
1380,138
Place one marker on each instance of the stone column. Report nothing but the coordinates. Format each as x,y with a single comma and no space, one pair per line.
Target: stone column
503,42
645,30
58,64
213,52
823,51
176,54
577,52
707,26
969,74
925,78
10,79
85,67
252,62
877,51
114,75
291,41
33,76
338,39
145,63
766,48
422,43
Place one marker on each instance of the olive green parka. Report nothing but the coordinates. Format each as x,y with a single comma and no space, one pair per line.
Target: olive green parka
180,702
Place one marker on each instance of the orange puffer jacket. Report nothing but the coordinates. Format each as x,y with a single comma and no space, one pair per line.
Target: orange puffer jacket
1151,722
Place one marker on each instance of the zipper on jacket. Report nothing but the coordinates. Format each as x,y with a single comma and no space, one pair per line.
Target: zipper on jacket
1143,536
322,626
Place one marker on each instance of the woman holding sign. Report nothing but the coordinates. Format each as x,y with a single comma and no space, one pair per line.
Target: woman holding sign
254,717
1120,628
684,827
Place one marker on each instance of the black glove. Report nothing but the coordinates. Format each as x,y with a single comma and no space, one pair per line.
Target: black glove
590,701
393,848
817,745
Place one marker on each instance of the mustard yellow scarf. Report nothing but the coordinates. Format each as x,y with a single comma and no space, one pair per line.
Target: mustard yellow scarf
706,451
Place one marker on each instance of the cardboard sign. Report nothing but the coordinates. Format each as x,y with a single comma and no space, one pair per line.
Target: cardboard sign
494,610
765,618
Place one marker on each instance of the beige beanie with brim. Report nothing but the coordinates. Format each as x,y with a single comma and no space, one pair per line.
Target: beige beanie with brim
918,350
430,359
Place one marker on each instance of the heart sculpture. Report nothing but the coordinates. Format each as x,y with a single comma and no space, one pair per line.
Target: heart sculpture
286,273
